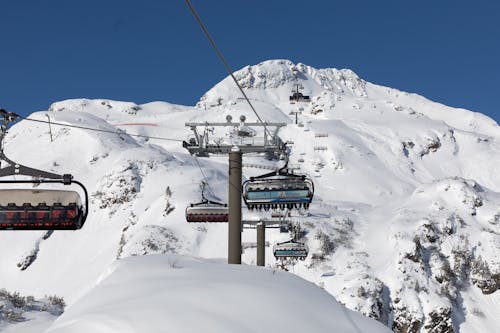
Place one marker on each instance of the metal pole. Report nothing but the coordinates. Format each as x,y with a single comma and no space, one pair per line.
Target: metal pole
234,228
261,244
50,128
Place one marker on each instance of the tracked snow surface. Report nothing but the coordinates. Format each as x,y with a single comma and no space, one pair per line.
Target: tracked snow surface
404,226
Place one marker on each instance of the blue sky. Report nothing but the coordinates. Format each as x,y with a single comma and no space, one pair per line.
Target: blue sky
149,50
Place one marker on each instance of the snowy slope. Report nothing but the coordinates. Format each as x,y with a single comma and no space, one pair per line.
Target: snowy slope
405,222
172,293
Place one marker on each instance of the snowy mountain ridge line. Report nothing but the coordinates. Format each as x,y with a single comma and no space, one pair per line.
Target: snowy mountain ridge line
332,83
404,226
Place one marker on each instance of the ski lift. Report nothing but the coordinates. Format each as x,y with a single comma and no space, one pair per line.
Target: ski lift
280,189
207,210
298,96
33,208
290,249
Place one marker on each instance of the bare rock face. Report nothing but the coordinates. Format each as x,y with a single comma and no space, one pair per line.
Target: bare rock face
405,322
439,321
482,277
30,257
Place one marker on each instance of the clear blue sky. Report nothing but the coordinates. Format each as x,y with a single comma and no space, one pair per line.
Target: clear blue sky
141,51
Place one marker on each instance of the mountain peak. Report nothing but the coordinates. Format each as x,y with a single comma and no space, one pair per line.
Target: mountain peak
273,81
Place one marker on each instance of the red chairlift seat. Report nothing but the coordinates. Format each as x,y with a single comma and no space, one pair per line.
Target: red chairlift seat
207,211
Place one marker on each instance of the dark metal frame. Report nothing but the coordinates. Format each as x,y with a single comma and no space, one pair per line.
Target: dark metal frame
205,201
200,146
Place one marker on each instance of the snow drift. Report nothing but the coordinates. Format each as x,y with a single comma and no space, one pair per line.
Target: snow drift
161,293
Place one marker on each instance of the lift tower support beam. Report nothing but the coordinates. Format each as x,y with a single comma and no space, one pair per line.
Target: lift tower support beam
234,229
261,244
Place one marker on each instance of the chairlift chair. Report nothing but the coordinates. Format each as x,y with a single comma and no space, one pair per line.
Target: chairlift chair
298,96
290,250
281,189
207,210
35,208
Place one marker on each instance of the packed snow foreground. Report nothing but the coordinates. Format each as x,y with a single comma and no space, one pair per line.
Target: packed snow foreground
169,293
404,226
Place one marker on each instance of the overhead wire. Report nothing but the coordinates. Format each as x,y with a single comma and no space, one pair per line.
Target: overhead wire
224,62
205,178
100,130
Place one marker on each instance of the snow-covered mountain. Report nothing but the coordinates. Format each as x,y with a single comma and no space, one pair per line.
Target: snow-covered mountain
405,222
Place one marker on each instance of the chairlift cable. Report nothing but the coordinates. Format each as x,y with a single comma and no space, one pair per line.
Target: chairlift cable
100,130
206,179
116,132
224,62
204,176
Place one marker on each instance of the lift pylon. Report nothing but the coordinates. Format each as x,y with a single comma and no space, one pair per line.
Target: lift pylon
203,143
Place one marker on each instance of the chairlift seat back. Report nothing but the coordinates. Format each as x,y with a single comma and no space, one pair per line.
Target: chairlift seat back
34,209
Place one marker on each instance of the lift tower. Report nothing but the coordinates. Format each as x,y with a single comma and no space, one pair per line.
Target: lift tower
203,143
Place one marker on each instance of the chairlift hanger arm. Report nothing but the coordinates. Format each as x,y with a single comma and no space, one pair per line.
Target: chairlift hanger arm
14,168
204,202
216,203
283,171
